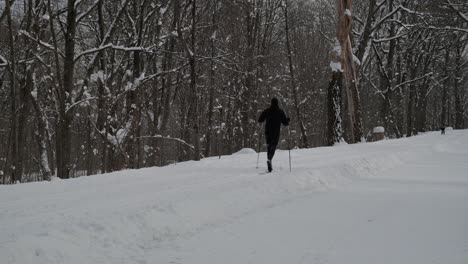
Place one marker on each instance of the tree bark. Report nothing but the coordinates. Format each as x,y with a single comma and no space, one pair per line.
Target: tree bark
15,153
193,86
212,81
335,130
65,118
458,90
351,91
444,114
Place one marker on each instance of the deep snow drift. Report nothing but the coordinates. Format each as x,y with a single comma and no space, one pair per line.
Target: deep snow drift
397,201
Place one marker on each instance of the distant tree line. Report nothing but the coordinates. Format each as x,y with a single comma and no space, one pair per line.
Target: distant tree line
94,86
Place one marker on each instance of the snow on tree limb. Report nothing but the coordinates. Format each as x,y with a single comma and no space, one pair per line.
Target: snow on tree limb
3,61
183,142
412,81
94,60
142,80
389,15
464,30
3,15
391,38
79,102
40,42
111,46
85,13
109,32
460,14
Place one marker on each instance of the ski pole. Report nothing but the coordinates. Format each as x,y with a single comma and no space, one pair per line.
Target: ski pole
289,138
289,147
258,148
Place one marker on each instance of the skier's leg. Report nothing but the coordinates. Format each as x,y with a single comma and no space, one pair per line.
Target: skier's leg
271,153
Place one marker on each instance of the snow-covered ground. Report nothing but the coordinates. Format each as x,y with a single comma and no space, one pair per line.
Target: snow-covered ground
397,201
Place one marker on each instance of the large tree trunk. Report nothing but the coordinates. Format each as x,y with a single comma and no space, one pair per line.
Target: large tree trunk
26,86
15,153
212,81
134,148
351,92
252,24
360,52
193,86
42,139
335,130
444,115
458,89
102,97
366,34
65,118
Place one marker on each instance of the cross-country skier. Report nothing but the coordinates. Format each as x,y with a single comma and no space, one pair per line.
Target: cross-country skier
274,117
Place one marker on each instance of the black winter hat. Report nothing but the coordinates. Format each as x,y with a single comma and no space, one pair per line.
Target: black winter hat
274,101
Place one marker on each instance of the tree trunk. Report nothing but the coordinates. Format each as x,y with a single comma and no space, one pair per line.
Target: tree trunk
102,96
410,112
15,175
42,140
444,115
65,118
351,92
421,108
193,86
366,34
212,82
458,89
335,130
252,22
294,86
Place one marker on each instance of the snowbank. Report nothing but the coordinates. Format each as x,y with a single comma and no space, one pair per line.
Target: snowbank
245,151
379,129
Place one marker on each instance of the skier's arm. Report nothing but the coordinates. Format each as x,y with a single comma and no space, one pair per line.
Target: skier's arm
285,120
262,117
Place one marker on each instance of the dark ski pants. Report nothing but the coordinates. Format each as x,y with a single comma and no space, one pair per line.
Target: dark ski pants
271,148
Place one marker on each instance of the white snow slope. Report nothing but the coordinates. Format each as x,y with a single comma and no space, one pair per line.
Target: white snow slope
396,201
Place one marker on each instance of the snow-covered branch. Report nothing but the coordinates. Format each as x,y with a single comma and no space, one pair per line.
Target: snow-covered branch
412,81
389,15
389,39
42,43
79,102
3,61
460,14
111,46
4,12
86,13
145,79
464,30
183,142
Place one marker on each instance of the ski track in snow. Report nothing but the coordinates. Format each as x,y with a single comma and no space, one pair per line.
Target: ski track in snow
395,201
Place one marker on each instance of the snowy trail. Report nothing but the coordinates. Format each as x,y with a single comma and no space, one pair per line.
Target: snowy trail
415,213
398,201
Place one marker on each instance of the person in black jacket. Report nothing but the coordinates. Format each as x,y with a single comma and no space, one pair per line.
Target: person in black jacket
274,117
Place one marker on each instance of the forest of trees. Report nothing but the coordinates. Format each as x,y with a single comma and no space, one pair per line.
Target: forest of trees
93,86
